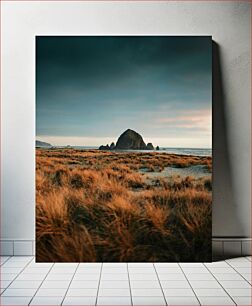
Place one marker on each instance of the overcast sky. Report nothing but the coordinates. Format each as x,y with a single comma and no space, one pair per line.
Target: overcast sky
90,89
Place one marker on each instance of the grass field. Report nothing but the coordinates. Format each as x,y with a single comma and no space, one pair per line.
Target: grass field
94,206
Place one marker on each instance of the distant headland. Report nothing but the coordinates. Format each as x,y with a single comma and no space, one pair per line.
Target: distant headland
40,144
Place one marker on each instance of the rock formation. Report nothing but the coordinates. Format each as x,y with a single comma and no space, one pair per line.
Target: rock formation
40,144
104,147
157,148
149,146
129,140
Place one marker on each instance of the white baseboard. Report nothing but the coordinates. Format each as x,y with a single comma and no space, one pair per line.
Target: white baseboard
231,247
17,247
222,247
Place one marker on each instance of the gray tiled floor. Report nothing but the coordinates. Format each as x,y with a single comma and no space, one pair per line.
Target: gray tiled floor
24,282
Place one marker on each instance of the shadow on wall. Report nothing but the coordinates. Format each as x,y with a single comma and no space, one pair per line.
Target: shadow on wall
225,214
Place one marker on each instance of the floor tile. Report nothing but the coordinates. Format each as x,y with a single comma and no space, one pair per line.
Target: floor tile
200,276
87,277
47,300
180,300
55,284
63,271
166,264
14,264
140,264
146,292
80,300
114,284
218,270
59,277
19,292
29,276
3,259
169,270
82,292
40,265
247,277
115,269
114,264
85,284
86,270
216,264
51,292
144,284
121,276
21,258
141,270
191,264
171,276
114,292
25,284
236,259
204,284
234,284
178,292
117,301
15,300
10,270
239,291
29,270
210,292
229,276
175,284
148,300
8,276
243,300
243,270
241,264
5,283
89,271
195,270
66,265
221,300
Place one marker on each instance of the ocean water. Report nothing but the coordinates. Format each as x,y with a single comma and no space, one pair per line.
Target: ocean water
189,151
181,151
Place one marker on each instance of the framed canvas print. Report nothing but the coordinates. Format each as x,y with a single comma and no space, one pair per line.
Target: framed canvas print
123,148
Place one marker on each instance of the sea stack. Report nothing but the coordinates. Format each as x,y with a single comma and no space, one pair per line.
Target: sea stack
104,147
112,146
129,140
149,146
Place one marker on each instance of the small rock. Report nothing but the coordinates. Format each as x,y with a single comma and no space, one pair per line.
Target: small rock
149,146
104,147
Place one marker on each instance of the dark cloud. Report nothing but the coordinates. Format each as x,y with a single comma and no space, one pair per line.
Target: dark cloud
94,86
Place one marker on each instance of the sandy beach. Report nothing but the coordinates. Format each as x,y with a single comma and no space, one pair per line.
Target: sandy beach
197,171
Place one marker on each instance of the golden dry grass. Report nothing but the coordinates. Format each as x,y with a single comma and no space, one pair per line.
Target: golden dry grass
96,206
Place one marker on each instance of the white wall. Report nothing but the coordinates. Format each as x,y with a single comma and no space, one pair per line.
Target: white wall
227,22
